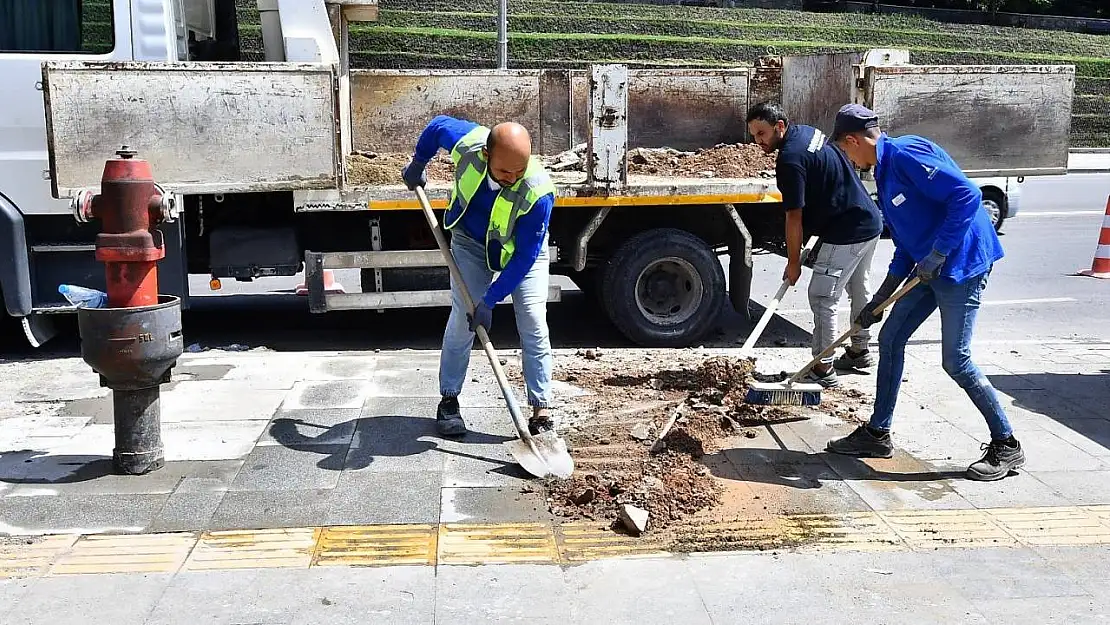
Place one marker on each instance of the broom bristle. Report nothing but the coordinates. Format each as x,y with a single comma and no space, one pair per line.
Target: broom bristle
780,396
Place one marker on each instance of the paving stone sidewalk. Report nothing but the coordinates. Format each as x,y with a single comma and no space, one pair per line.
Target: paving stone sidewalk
276,439
1044,586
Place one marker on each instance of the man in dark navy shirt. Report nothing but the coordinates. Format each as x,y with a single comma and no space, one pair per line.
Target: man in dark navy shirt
823,196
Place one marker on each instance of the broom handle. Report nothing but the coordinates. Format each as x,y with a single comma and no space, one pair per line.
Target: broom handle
856,327
770,312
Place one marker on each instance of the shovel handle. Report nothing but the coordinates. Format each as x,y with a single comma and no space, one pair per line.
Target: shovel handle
856,327
483,336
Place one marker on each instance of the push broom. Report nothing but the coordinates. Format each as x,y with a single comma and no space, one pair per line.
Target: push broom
790,392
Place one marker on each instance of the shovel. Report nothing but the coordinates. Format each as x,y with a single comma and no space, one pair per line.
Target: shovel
541,455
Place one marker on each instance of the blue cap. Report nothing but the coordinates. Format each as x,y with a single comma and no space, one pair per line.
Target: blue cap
853,118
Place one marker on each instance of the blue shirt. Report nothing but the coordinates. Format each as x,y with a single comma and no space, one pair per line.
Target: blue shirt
929,204
813,175
530,230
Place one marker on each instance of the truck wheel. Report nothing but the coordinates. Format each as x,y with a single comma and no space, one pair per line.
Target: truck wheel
663,288
992,204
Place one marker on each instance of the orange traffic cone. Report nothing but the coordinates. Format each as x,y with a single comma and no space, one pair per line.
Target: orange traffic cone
330,284
1100,267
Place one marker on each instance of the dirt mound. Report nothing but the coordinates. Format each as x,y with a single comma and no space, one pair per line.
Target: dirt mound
739,160
736,160
726,160
613,450
373,168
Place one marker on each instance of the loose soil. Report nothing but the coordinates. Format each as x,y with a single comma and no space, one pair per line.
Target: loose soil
611,430
373,168
740,160
737,160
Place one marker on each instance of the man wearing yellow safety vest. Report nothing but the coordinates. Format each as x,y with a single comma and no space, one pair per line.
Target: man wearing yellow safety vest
498,217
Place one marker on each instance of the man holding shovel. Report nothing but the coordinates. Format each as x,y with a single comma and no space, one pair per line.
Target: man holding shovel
822,195
498,217
933,212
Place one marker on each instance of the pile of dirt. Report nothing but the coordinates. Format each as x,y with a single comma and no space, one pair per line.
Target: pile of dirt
736,160
623,416
726,160
739,160
373,168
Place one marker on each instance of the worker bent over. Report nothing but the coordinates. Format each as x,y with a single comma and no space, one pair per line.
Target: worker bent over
498,217
933,213
823,195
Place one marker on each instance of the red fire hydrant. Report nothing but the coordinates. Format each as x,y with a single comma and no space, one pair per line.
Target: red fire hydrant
135,341
130,206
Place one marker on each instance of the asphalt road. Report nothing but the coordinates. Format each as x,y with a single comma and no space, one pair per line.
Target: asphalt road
1032,295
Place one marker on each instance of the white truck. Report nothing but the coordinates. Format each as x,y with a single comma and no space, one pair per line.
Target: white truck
257,155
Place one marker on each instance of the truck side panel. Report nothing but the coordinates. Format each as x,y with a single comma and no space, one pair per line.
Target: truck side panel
993,120
683,109
680,109
204,127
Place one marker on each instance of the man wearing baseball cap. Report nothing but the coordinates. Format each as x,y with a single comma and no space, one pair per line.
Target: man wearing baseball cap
940,233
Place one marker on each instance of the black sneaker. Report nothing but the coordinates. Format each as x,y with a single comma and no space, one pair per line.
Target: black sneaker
539,424
997,462
854,360
449,421
862,443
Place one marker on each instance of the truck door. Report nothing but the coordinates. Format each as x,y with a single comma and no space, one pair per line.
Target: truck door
34,31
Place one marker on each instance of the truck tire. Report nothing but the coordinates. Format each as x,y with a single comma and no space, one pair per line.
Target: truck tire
663,288
993,205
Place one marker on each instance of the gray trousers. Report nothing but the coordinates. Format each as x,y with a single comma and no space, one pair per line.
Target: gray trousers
836,268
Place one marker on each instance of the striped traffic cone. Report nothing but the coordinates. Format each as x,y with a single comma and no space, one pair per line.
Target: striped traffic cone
1100,267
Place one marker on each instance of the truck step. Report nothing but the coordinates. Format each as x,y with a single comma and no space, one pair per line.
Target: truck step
319,300
398,299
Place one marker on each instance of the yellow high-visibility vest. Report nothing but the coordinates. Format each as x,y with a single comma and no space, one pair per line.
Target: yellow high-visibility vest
511,203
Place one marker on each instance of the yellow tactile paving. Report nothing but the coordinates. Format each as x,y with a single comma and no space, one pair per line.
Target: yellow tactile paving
859,531
497,543
278,548
581,542
1053,526
377,545
33,556
127,553
756,533
544,543
931,529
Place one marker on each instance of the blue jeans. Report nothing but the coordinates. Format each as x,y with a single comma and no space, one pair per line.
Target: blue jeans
958,304
530,306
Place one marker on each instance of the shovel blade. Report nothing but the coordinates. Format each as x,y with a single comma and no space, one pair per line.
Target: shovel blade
546,456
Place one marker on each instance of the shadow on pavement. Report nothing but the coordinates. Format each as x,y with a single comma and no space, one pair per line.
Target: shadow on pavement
805,470
373,438
27,466
1079,401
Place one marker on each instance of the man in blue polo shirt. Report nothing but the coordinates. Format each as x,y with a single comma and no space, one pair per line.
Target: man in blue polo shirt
822,195
498,218
940,232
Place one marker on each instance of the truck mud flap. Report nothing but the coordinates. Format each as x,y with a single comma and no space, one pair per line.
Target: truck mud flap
15,265
739,264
